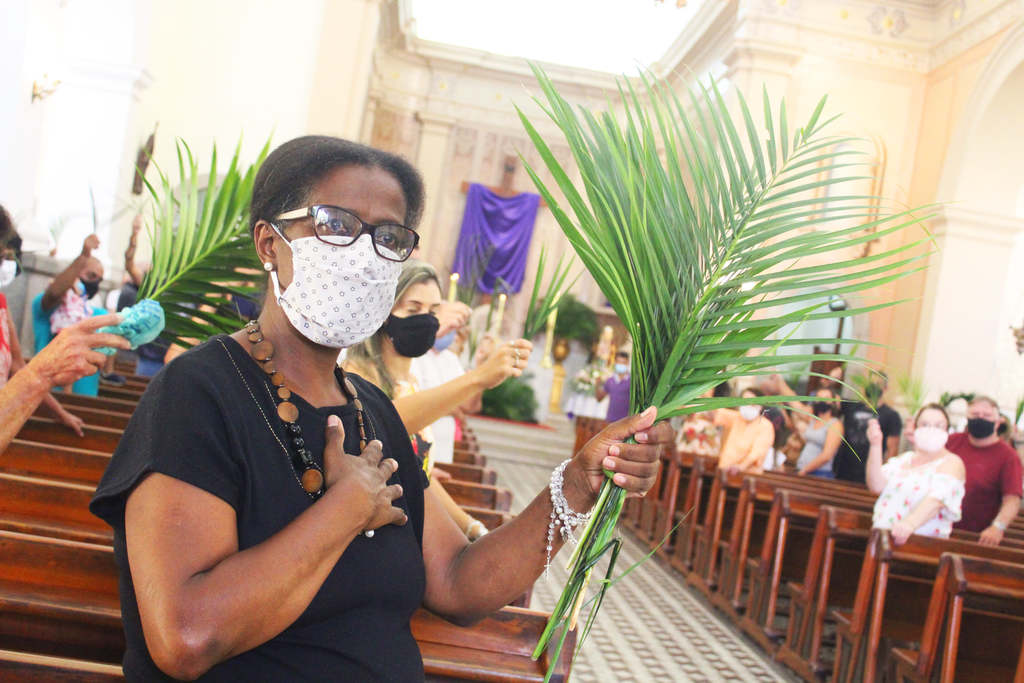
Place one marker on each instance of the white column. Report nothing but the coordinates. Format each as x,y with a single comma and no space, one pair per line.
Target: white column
432,159
348,37
972,296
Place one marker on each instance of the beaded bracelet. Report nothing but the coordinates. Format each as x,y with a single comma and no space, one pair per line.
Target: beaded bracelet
561,514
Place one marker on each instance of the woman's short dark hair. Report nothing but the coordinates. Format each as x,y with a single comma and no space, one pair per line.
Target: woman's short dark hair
6,226
287,176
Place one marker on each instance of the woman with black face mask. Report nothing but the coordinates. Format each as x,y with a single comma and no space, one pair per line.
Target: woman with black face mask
386,359
822,432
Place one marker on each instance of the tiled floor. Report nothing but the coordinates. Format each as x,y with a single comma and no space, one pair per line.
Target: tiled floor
651,626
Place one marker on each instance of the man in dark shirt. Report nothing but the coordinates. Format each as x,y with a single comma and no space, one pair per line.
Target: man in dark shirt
993,485
852,456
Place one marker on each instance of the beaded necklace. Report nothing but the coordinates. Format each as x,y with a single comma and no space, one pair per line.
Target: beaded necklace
311,476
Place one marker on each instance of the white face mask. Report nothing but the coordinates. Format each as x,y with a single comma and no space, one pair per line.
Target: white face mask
930,439
338,296
750,413
8,271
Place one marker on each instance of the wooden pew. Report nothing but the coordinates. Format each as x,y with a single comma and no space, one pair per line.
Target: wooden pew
691,512
893,593
54,462
50,508
113,405
26,667
465,457
45,430
976,617
479,495
788,540
840,538
751,519
95,417
503,641
123,393
680,472
640,513
60,598
469,473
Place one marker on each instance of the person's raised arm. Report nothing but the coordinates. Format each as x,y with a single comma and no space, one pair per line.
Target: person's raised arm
423,408
468,581
202,600
833,437
130,267
874,476
66,359
65,279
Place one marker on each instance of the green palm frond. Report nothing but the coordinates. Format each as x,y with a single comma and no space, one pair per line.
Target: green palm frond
706,234
202,253
545,300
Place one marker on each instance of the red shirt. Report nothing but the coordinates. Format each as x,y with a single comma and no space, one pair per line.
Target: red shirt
992,472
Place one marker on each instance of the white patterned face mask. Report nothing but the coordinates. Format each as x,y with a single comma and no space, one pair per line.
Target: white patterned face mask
338,296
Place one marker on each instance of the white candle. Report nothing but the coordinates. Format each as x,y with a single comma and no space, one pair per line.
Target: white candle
453,286
499,314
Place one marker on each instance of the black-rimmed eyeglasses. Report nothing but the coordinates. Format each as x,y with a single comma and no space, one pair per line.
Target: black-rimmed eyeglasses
340,227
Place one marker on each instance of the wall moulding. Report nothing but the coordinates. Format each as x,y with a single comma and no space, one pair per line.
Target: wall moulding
976,225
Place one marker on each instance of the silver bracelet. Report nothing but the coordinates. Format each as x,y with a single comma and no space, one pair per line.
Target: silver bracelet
561,514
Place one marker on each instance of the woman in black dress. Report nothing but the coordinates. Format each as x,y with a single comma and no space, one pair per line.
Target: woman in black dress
251,545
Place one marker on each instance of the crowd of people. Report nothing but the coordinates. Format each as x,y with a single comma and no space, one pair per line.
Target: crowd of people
254,563
940,480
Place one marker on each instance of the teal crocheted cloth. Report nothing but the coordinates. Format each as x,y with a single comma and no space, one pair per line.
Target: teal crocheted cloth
140,324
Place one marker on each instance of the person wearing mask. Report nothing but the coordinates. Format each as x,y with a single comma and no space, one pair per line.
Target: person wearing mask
822,434
270,518
386,360
440,365
921,491
616,388
10,250
66,302
993,473
750,436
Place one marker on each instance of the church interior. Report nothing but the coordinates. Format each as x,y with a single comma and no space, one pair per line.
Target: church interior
763,545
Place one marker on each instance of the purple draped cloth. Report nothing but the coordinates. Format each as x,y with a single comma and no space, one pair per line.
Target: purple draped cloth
499,228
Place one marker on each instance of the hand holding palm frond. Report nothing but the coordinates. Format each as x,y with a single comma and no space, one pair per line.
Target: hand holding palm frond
698,230
202,253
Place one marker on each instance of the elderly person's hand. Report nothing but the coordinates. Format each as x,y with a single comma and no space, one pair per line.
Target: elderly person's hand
71,355
635,466
452,315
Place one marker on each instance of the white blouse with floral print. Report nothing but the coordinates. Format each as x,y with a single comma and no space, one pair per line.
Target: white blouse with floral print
907,485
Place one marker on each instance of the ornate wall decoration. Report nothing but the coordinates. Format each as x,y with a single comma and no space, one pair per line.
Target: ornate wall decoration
888,21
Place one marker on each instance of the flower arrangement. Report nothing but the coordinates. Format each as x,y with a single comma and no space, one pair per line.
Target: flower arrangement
589,378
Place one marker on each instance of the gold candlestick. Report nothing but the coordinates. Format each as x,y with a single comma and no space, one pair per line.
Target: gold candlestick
499,314
549,342
453,287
